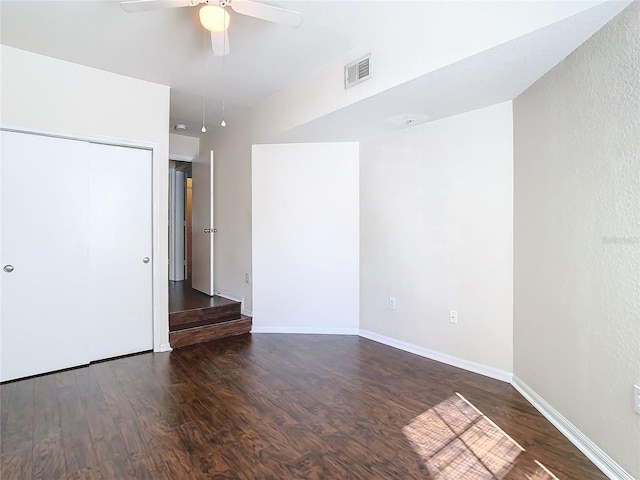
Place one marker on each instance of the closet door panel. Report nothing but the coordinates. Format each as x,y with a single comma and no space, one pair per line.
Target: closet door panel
44,254
120,251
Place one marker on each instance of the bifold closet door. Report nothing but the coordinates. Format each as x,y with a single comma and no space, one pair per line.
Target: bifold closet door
120,250
44,254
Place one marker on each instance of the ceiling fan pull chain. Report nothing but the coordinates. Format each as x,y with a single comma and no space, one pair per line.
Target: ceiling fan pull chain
223,123
204,79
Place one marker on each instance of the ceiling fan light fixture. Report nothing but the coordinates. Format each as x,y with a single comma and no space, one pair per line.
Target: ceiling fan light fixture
214,18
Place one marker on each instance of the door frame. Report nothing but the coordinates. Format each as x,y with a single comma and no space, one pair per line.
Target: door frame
160,322
177,234
173,229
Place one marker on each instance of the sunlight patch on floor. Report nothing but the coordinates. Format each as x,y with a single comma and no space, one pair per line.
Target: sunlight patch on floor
456,440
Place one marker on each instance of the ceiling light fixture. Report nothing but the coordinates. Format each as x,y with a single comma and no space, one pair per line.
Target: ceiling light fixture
214,18
180,126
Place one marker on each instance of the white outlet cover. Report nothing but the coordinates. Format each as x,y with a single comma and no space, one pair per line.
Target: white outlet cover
636,399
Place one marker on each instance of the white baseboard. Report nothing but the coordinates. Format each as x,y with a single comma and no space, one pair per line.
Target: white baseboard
310,330
485,370
594,453
164,347
229,296
243,310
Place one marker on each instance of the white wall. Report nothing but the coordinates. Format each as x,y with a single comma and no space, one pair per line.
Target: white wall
183,147
436,234
232,209
305,237
577,238
44,93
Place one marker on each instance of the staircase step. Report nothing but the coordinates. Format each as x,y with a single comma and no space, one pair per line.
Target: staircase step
206,333
204,316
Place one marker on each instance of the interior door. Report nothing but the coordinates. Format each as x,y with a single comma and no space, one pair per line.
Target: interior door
44,254
120,249
202,220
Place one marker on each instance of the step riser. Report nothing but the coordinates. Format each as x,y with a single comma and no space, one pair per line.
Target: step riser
191,336
203,316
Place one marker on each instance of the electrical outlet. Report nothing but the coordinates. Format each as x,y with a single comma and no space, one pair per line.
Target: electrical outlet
636,399
453,316
392,303
246,278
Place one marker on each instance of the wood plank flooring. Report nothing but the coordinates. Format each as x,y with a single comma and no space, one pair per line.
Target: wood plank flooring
277,407
183,297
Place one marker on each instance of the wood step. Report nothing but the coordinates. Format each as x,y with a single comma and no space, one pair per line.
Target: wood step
204,316
207,333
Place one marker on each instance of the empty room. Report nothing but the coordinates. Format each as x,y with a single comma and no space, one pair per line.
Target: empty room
320,239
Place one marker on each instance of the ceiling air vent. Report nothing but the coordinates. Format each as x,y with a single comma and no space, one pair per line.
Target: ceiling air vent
357,71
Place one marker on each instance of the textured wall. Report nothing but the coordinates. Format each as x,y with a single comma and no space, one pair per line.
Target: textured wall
436,233
577,237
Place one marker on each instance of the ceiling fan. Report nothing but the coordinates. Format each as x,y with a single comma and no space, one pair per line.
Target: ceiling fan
215,18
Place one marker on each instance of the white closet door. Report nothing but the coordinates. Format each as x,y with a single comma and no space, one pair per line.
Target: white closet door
43,240
120,251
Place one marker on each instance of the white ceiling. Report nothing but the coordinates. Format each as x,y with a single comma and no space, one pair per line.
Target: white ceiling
492,76
169,47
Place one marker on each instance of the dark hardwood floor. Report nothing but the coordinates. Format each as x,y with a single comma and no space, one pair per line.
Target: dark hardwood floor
183,297
278,407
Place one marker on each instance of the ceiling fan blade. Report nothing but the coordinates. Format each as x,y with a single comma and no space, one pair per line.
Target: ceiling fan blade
133,6
220,43
267,12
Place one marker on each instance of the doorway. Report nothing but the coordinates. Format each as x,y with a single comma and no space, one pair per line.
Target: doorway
189,226
182,205
180,220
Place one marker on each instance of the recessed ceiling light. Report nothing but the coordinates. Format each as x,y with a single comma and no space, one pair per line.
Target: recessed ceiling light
408,119
180,126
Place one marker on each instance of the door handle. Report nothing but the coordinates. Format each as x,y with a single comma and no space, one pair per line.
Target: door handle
8,268
146,259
